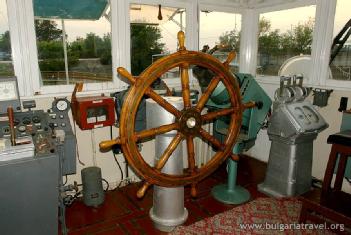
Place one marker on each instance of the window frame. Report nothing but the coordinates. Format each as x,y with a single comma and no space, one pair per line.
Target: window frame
269,79
25,55
216,8
191,40
322,40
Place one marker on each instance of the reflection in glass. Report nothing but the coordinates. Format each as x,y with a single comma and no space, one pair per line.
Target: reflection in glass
74,50
6,66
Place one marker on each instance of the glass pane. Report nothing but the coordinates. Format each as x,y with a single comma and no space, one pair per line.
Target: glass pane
6,66
220,38
283,35
74,50
154,35
341,53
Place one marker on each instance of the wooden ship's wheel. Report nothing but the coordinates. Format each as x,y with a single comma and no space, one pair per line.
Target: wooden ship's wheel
188,122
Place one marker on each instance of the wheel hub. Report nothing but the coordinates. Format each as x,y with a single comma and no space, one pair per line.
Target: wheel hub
190,121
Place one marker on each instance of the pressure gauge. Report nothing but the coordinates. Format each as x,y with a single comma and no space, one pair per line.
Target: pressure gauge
61,104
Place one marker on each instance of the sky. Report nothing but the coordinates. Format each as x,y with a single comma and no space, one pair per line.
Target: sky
212,25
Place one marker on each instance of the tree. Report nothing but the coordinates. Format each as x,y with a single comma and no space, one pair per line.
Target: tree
230,40
145,43
47,30
5,42
298,40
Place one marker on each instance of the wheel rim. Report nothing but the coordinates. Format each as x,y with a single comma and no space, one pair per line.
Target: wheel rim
182,59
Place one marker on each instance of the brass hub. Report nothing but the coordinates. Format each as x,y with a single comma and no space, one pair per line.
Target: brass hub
190,121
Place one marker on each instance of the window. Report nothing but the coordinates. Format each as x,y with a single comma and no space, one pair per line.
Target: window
153,32
283,35
6,66
341,54
222,37
73,45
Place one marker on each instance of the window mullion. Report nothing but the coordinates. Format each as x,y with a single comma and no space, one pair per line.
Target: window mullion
323,33
25,56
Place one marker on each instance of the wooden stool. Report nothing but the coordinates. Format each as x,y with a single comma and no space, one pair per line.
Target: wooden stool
341,146
331,205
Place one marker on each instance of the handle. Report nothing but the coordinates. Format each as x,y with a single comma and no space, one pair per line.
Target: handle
284,82
142,190
181,40
230,58
122,71
107,144
12,127
77,88
159,17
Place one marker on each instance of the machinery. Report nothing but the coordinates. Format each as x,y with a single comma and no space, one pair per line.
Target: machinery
92,111
253,120
36,149
187,122
293,127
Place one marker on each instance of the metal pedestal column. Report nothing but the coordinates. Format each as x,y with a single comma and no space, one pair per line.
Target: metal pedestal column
231,193
168,209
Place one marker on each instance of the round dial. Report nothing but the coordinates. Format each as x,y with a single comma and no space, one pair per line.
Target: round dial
61,104
26,120
36,119
21,128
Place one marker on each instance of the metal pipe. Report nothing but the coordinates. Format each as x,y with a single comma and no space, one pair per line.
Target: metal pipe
168,203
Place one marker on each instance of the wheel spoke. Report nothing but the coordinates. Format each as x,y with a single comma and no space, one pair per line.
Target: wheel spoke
211,139
191,153
230,58
168,152
222,112
184,74
249,105
107,144
141,192
208,137
206,95
162,102
155,131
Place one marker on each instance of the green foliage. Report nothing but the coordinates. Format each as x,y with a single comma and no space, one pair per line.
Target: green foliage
230,40
5,43
50,49
296,41
300,38
144,40
51,53
47,30
145,43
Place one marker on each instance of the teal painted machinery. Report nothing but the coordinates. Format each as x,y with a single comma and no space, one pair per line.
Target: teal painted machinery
253,120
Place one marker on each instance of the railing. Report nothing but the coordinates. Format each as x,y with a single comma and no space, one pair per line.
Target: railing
59,77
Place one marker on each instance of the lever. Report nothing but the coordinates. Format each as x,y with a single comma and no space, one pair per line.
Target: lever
12,127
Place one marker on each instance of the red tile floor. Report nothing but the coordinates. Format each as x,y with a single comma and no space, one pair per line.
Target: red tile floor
123,213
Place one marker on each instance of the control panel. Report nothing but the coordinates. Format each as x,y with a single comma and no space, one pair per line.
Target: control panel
59,123
58,115
48,132
33,124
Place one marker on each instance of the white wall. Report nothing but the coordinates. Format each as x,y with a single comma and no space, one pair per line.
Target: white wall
260,151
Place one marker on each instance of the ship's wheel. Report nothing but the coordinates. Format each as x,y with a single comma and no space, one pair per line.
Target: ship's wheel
188,121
